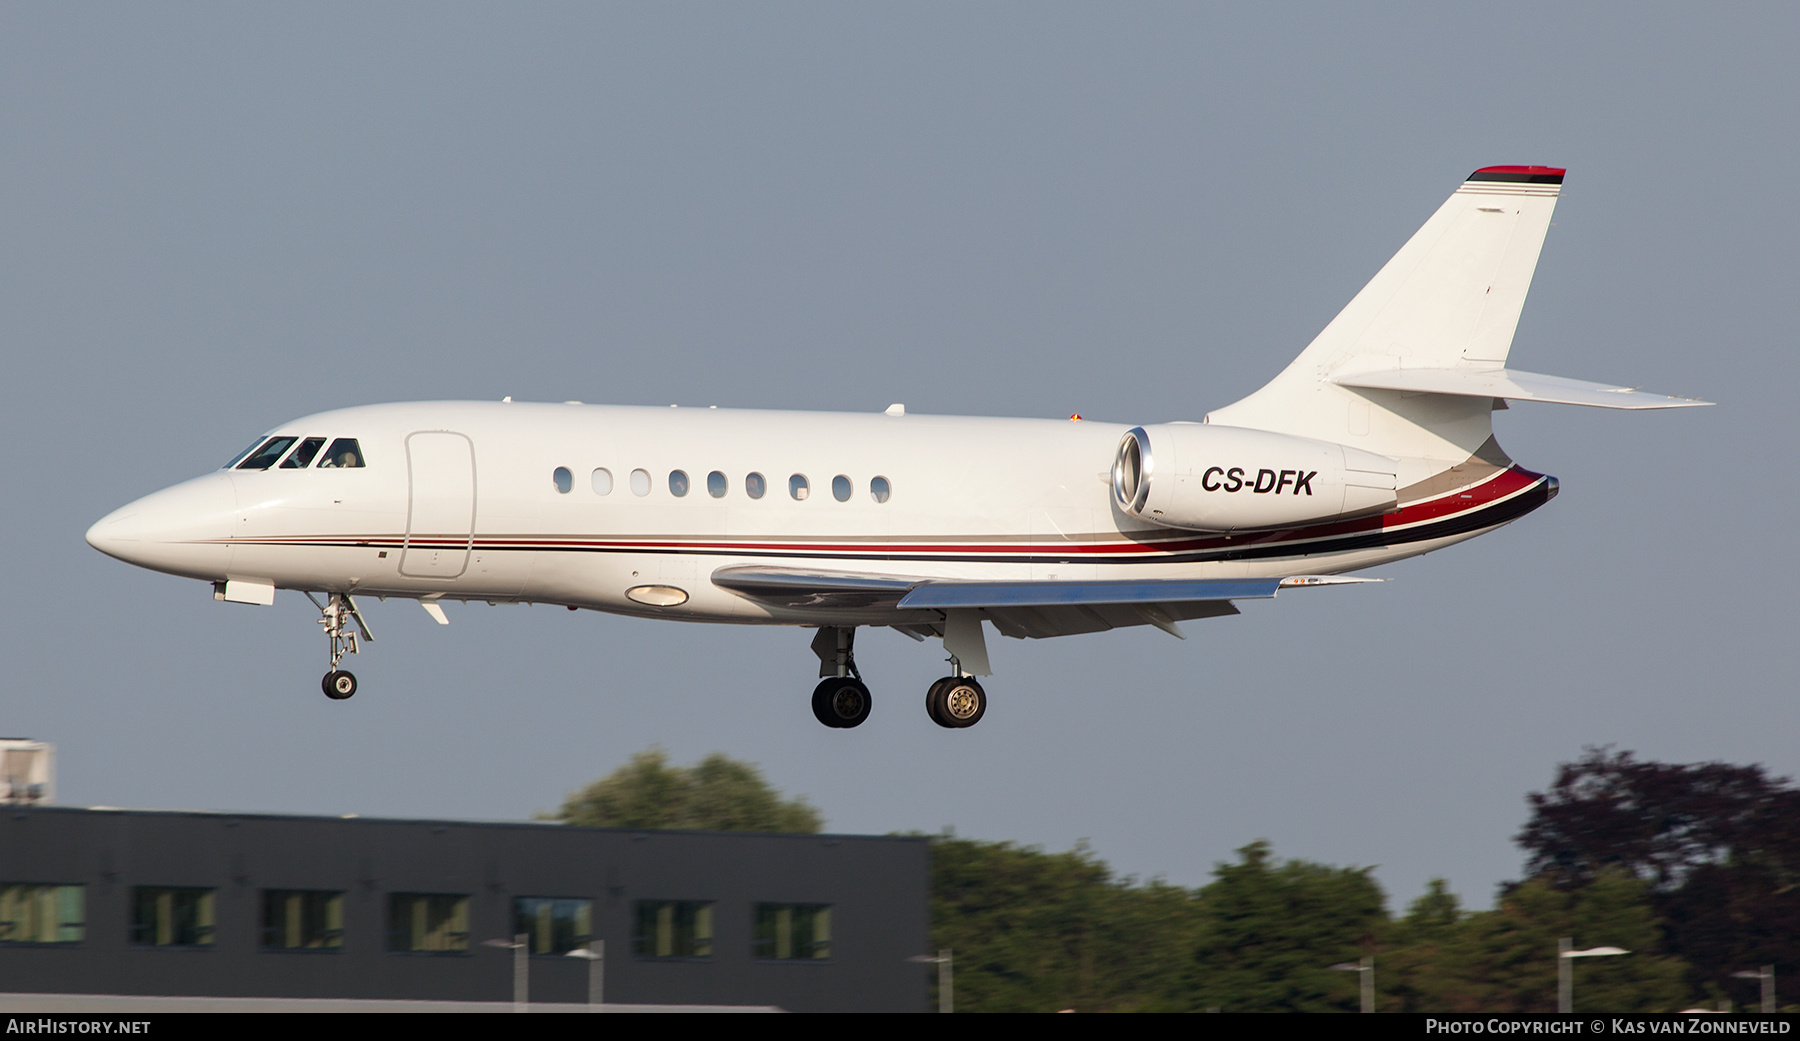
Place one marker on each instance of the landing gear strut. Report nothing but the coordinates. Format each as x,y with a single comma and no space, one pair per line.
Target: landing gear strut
840,700
343,622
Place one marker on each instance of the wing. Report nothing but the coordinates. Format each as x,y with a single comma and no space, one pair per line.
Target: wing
1017,609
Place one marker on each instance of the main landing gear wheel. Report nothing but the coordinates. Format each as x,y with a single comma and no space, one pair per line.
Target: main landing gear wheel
841,702
338,684
955,702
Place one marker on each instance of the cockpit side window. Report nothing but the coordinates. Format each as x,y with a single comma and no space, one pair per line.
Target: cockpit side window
343,453
265,457
302,457
236,459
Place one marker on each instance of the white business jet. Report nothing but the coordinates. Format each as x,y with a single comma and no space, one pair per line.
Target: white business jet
1375,444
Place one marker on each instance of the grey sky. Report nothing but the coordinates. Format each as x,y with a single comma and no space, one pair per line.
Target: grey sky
220,217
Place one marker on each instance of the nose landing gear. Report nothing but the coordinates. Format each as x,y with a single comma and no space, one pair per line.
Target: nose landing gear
338,614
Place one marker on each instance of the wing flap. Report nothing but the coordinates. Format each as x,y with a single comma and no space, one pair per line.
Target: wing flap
943,595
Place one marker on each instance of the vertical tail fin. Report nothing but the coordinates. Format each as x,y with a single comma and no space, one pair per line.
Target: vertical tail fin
1449,299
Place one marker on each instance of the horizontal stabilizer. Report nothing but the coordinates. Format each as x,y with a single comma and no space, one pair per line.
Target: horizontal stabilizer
1513,385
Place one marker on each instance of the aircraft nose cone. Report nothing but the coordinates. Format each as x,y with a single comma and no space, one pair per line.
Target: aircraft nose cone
115,533
184,530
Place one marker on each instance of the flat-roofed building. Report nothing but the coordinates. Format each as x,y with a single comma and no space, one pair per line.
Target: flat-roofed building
105,901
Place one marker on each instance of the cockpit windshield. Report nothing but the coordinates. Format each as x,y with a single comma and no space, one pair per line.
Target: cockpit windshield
342,453
265,457
236,459
302,457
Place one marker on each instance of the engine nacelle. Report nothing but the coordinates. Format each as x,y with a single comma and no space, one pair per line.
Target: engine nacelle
1219,478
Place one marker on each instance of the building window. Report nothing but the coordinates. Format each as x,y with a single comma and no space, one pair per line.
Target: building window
430,923
302,919
792,931
42,914
168,917
555,926
673,929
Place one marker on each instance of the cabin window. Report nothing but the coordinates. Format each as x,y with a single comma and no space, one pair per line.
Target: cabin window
602,481
302,457
755,485
716,484
840,488
798,488
563,479
265,457
640,482
880,490
678,483
342,455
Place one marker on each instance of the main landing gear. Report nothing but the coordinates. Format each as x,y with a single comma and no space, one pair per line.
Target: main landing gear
955,702
841,700
343,622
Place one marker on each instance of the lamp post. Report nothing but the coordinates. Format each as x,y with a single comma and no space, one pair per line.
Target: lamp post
595,955
521,963
1565,977
1767,975
1366,968
945,977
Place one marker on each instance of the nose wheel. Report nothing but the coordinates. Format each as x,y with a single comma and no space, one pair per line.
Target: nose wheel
955,702
342,622
338,684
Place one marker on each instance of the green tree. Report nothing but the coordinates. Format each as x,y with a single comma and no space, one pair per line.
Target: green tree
1718,846
1041,932
717,794
1269,934
1505,960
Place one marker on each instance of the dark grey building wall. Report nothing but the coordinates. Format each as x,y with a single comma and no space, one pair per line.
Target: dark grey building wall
877,888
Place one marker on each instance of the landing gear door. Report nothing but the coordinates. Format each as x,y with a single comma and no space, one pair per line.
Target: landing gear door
440,515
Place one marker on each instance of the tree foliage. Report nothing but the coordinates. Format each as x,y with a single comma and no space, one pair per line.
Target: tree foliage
1505,960
717,794
1717,845
1041,932
1270,932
